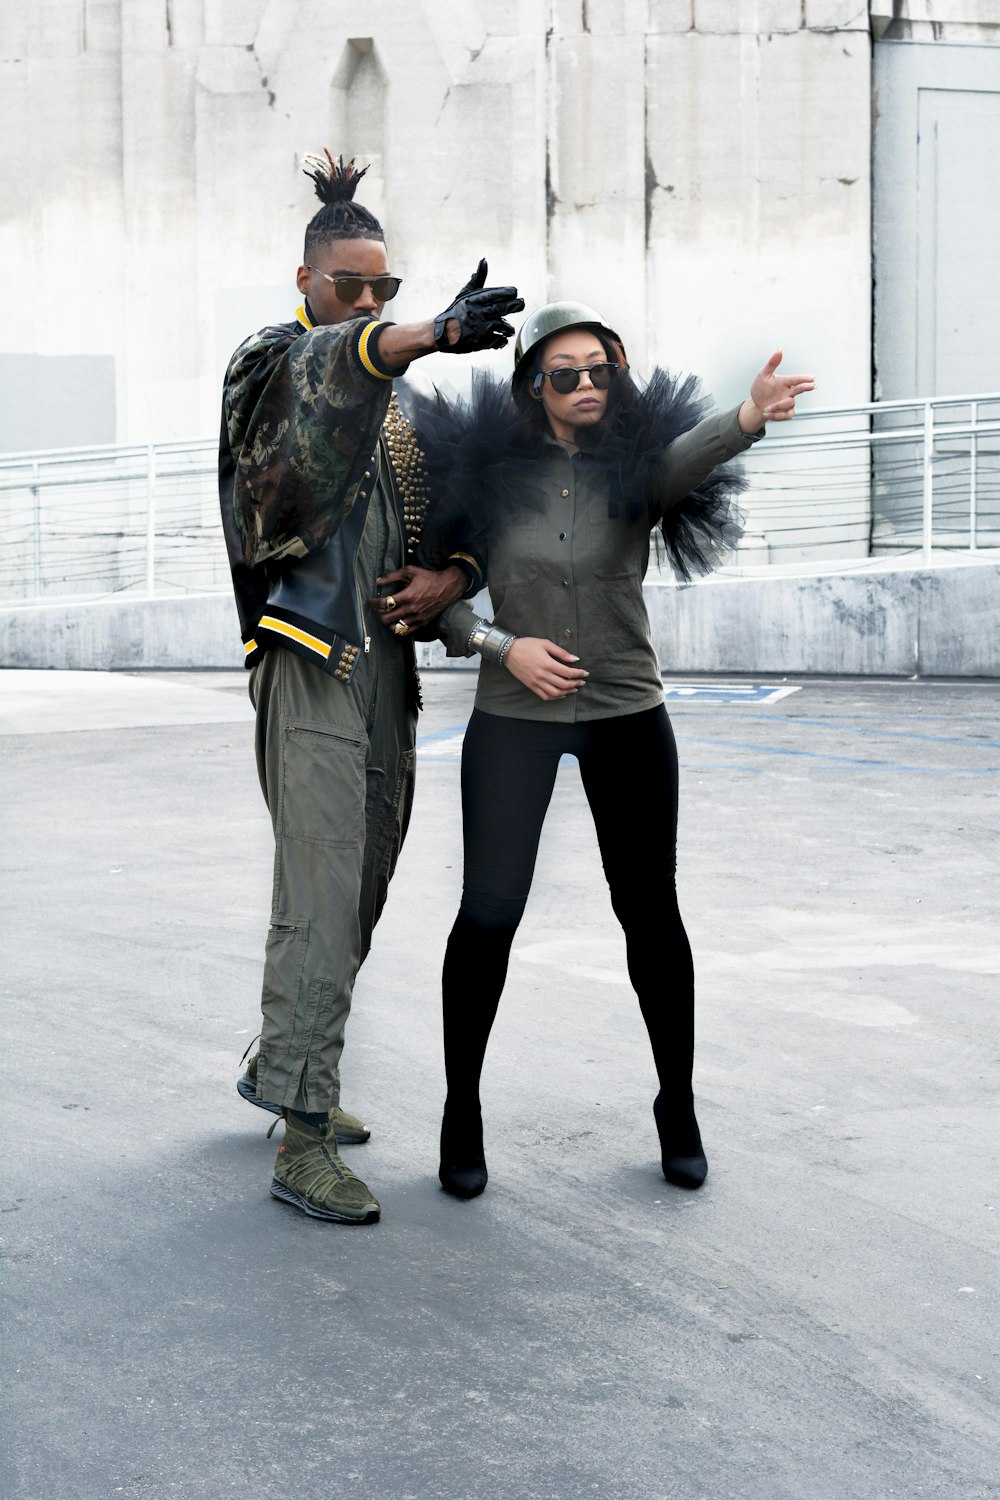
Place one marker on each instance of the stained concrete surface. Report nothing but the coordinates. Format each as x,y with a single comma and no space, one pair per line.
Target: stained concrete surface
883,617
817,1323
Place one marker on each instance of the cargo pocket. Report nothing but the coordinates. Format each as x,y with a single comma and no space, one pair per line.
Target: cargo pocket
323,786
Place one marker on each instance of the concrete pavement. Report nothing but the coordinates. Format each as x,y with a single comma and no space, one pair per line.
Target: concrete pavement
817,1323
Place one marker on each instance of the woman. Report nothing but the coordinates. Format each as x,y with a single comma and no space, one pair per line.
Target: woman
573,466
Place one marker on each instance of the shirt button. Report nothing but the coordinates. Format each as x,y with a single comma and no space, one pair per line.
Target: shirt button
562,536
564,493
567,635
565,583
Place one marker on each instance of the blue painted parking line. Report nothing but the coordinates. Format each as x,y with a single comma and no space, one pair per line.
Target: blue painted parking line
440,734
442,744
722,692
730,768
445,746
890,734
842,760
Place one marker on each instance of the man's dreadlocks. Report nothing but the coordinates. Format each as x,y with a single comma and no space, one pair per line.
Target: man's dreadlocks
339,218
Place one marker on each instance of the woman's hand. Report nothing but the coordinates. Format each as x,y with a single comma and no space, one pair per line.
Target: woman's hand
544,667
772,396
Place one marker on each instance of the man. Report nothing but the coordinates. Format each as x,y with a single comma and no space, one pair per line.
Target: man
321,504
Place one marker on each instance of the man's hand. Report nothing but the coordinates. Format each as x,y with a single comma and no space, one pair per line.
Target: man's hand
417,595
544,667
772,396
475,320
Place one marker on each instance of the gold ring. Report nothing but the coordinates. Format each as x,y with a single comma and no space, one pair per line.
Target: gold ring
390,602
400,628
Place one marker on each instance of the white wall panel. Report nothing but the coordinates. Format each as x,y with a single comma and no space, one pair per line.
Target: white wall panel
958,239
937,219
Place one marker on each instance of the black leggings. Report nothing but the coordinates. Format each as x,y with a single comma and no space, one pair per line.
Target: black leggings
629,771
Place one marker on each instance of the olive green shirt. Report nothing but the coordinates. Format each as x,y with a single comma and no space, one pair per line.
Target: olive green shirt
561,568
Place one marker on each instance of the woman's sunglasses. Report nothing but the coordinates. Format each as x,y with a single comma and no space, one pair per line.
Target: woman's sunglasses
568,378
349,288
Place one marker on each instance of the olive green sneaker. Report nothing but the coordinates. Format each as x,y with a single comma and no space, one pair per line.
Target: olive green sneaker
350,1131
309,1174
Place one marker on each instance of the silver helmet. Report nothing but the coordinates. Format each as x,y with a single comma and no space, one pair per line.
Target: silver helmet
555,317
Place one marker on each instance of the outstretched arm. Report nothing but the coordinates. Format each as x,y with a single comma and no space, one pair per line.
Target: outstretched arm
690,458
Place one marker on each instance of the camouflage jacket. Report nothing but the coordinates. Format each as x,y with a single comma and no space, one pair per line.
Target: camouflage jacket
309,429
301,412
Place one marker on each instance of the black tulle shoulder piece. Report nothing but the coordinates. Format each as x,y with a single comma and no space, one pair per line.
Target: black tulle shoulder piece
477,460
473,445
700,531
480,453
704,530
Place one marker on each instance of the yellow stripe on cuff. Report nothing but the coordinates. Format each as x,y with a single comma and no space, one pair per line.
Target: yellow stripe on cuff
365,357
464,557
249,646
268,622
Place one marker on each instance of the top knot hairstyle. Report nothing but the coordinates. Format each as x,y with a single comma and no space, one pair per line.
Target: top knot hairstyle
340,218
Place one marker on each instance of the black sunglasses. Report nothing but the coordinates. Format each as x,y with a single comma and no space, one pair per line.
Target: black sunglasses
568,378
349,288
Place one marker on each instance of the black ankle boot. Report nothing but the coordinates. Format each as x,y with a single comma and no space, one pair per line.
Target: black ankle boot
463,1164
681,1153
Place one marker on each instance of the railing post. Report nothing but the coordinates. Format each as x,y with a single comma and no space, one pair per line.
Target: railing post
973,456
36,531
928,481
150,521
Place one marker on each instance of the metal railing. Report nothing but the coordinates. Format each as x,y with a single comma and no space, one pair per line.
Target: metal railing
851,482
889,477
141,520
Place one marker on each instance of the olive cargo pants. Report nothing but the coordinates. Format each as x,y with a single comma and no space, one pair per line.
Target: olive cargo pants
336,764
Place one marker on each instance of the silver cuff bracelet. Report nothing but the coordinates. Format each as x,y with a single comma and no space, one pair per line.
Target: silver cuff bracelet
490,641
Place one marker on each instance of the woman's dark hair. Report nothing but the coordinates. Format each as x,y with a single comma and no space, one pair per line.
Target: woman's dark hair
622,393
340,218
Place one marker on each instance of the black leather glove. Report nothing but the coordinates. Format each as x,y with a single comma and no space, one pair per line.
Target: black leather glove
480,312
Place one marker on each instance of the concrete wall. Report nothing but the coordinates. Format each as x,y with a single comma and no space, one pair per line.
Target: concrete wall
699,168
934,623
960,23
81,385
939,622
